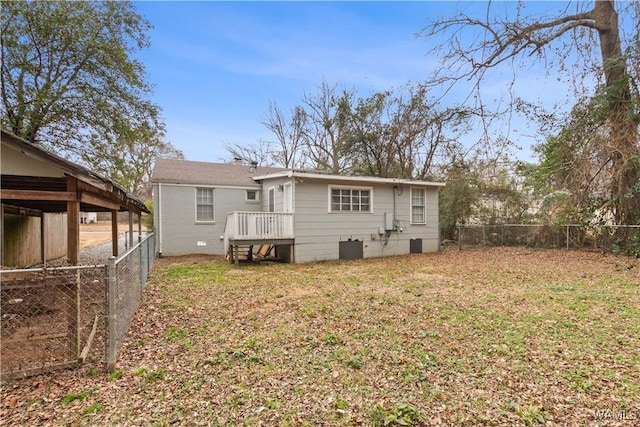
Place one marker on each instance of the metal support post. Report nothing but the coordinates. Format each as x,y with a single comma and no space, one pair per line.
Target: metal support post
111,314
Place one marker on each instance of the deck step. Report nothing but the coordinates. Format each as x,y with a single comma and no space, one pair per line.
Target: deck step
264,251
243,252
251,252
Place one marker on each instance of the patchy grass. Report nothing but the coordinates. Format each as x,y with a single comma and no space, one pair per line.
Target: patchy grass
495,337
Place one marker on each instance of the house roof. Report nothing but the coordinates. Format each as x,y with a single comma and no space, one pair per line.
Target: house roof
50,194
206,173
177,171
351,179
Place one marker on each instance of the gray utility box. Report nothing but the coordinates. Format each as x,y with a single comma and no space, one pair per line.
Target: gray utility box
389,221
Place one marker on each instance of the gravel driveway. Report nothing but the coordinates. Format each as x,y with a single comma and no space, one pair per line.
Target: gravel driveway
97,254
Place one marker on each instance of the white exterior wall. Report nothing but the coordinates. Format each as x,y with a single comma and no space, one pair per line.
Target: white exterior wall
174,218
318,231
16,163
278,190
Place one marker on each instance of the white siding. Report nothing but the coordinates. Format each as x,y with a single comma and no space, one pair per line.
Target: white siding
175,218
278,191
16,163
318,232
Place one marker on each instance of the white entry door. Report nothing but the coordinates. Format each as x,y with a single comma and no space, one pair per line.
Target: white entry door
287,197
272,199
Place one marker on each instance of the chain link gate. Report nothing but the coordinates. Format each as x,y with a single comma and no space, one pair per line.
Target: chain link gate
55,318
51,318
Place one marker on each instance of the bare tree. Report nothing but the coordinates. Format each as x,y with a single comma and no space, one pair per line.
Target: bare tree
289,132
260,152
400,134
421,130
521,39
326,123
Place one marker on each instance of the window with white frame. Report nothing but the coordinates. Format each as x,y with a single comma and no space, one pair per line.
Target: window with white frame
252,196
350,199
204,205
418,215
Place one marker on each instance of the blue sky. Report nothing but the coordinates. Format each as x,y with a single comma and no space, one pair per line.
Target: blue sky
216,65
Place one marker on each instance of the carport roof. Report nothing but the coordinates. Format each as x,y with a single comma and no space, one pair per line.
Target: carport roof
30,194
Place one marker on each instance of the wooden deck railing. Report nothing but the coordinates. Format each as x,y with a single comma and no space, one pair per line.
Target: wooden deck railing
258,226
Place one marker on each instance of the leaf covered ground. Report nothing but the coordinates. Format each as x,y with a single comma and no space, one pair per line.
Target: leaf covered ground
503,336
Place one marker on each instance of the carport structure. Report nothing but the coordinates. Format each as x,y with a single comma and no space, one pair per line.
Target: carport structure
36,181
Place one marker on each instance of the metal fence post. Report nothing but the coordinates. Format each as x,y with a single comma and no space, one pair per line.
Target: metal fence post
73,316
78,312
484,235
112,282
141,275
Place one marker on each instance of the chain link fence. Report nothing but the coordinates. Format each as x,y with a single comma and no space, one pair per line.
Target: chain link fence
50,318
127,277
623,239
54,318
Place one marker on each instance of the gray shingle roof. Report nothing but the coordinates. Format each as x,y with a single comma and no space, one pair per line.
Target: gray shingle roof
206,173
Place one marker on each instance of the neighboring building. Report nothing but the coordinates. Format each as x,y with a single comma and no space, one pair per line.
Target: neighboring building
217,209
88,217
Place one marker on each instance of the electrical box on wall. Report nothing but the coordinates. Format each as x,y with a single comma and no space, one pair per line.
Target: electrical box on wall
389,221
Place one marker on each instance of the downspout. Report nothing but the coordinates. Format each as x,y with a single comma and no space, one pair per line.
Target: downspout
394,189
159,226
438,221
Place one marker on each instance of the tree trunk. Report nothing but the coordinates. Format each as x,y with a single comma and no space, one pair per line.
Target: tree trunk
623,144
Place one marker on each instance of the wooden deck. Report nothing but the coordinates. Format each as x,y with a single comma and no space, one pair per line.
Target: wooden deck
257,228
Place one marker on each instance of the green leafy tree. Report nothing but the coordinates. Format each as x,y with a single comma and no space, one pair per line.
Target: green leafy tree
128,153
69,82
503,192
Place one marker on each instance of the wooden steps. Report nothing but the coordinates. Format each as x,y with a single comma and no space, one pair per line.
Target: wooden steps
247,253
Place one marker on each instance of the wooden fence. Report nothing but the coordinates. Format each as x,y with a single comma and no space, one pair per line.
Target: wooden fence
22,236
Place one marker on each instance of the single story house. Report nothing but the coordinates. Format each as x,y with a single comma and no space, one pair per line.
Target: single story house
219,209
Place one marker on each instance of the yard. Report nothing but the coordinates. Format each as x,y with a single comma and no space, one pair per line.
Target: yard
503,336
